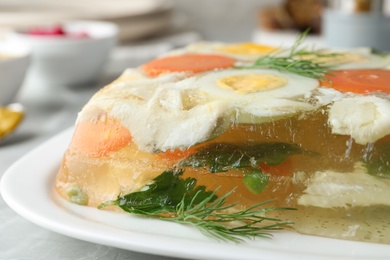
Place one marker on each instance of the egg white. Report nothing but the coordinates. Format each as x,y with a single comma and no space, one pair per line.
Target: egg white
366,59
373,61
365,118
207,82
267,110
257,107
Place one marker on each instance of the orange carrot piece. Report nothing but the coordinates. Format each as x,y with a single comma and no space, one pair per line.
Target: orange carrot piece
100,137
360,81
187,63
283,169
177,154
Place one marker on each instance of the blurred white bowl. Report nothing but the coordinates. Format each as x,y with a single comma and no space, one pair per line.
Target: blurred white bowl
70,60
14,62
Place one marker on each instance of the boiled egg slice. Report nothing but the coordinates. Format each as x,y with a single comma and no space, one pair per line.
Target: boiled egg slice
272,109
348,59
245,86
254,95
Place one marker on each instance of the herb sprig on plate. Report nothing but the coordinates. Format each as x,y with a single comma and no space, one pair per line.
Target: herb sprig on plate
172,198
212,218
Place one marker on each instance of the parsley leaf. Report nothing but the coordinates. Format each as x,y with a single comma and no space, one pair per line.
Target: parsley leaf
163,195
378,163
221,157
172,198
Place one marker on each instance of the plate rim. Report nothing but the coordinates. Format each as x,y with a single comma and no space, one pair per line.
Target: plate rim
158,246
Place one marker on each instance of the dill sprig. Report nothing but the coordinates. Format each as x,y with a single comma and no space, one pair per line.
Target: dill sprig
213,218
306,68
289,60
173,198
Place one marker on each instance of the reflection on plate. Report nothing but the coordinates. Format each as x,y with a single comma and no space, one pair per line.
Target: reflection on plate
27,187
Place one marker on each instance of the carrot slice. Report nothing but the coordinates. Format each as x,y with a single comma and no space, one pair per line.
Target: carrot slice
359,81
177,154
187,63
283,169
100,137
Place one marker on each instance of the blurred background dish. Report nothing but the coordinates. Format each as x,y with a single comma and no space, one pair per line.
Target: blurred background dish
333,23
292,15
135,18
352,23
14,62
71,53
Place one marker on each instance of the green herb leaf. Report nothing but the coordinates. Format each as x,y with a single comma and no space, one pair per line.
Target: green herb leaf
222,157
218,220
255,181
379,52
306,68
186,203
291,62
162,195
78,196
378,163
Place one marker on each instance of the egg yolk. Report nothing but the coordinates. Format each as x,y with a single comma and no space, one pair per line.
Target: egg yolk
247,48
244,84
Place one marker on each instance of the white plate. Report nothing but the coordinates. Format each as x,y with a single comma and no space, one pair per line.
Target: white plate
28,188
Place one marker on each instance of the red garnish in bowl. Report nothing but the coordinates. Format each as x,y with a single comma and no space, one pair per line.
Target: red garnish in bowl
56,31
